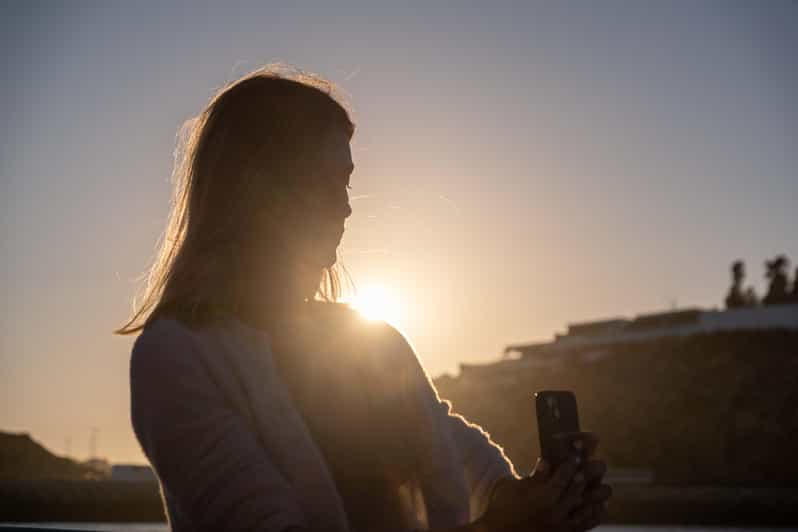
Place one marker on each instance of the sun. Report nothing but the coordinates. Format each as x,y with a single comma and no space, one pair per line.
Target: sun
377,302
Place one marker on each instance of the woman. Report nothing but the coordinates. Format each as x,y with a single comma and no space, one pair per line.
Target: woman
264,408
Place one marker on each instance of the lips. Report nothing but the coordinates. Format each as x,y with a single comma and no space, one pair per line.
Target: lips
336,233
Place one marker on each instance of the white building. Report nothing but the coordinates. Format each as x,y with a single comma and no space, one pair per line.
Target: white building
651,326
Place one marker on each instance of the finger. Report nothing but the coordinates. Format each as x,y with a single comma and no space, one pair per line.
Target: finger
563,475
594,470
586,443
598,495
571,498
541,470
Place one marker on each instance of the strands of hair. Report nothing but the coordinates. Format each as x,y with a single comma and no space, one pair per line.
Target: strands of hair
256,129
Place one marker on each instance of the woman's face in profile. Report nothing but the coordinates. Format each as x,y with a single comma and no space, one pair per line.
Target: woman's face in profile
325,200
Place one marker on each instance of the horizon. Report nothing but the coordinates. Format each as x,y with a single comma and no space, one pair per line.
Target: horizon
517,169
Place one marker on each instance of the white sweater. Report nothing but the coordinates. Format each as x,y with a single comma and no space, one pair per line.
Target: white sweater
232,452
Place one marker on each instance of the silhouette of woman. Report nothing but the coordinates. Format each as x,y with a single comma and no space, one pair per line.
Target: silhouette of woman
261,402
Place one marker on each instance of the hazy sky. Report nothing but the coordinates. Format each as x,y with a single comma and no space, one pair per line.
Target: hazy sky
524,167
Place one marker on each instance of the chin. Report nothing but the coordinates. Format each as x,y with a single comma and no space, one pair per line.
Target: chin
324,260
332,259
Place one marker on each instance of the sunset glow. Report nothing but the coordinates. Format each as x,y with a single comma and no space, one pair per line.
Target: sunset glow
517,169
376,302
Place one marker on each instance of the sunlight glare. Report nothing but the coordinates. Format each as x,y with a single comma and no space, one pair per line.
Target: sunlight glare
377,303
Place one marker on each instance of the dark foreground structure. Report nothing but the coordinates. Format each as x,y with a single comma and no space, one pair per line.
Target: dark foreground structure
79,500
106,501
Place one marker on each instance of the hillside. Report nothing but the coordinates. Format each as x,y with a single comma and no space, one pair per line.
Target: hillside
22,458
719,408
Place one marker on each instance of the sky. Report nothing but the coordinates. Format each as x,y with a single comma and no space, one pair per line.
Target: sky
519,166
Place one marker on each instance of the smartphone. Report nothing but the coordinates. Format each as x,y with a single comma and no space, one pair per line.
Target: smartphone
557,424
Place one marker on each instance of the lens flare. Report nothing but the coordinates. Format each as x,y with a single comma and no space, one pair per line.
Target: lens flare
377,302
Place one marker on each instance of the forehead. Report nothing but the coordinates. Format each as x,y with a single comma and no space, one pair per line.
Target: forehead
334,151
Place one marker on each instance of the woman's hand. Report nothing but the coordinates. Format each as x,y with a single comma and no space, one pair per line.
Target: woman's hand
593,510
570,499
541,502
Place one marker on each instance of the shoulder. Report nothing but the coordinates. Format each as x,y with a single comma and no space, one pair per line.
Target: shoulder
341,318
374,345
164,346
164,334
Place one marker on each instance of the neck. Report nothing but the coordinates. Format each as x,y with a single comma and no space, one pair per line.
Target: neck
272,303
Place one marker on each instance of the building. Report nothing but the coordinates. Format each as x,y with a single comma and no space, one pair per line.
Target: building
99,468
652,326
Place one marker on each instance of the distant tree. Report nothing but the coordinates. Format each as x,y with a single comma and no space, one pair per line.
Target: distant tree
751,298
776,273
795,287
736,298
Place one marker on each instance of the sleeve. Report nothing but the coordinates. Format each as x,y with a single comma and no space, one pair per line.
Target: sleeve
206,457
484,461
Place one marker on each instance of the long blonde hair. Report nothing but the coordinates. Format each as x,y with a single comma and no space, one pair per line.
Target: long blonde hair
236,167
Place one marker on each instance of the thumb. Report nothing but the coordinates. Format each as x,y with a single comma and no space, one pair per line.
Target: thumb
541,470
